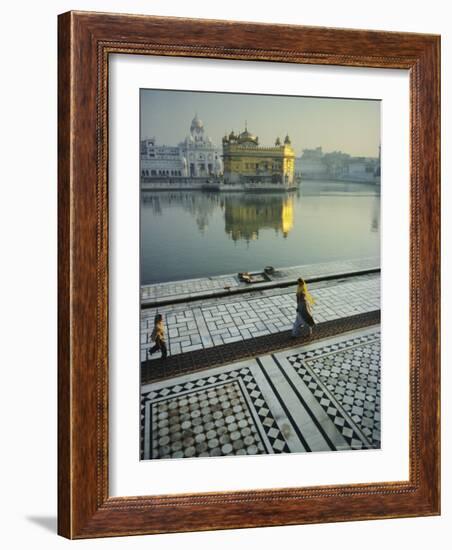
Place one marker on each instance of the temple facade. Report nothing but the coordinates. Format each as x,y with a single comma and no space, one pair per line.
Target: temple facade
194,157
245,161
200,156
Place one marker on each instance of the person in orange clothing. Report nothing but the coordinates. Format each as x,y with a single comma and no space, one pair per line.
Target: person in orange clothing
158,336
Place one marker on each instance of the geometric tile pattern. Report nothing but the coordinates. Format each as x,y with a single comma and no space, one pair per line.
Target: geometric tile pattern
345,379
315,397
217,415
214,322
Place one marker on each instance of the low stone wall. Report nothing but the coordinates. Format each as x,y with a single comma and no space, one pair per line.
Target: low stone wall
191,185
204,287
172,185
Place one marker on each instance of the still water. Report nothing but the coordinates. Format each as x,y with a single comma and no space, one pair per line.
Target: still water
188,234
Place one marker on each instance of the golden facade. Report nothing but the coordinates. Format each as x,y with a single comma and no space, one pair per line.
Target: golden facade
247,215
245,161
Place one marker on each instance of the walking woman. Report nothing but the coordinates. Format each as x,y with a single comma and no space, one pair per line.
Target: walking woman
158,336
304,304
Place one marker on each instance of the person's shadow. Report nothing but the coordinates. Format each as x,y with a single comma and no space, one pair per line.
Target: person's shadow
49,523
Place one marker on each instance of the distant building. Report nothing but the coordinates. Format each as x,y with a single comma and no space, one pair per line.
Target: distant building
245,161
359,167
196,156
160,160
310,163
314,164
336,164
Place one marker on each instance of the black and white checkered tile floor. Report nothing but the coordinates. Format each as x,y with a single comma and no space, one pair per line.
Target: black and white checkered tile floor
320,397
345,378
217,415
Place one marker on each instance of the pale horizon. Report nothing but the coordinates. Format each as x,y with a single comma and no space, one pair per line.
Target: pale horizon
335,124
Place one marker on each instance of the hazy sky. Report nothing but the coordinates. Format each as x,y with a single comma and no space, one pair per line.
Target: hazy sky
348,125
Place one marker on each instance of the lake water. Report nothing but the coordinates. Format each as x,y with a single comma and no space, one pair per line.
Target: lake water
189,234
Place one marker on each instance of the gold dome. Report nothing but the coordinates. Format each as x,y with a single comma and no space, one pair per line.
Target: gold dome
247,137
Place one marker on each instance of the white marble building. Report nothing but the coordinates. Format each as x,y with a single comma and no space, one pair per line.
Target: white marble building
200,155
160,160
194,157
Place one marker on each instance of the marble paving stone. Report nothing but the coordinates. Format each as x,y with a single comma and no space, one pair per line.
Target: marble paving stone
210,285
346,376
266,313
324,396
217,415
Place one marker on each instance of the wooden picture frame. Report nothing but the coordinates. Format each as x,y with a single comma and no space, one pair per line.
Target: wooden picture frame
85,42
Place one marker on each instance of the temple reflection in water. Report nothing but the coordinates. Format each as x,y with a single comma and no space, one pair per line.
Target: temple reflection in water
188,234
245,216
200,205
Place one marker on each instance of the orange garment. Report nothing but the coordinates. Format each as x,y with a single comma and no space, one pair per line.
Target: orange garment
158,334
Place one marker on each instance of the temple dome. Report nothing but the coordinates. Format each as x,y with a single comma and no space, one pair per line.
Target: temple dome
247,137
196,124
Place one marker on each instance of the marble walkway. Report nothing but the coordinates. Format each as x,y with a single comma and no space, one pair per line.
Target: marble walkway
324,396
212,322
209,286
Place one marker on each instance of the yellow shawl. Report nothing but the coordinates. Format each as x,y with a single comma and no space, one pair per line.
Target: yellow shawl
303,289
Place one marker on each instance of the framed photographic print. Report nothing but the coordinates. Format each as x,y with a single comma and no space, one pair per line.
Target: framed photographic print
248,275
